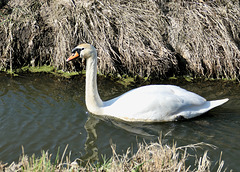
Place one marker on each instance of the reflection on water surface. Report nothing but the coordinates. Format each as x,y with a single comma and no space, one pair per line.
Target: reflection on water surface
41,112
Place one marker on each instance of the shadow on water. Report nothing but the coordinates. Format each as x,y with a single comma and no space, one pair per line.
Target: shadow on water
43,113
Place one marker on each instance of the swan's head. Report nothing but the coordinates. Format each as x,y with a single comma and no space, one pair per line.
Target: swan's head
83,51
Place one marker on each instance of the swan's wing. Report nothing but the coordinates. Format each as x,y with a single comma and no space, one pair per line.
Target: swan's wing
188,97
153,103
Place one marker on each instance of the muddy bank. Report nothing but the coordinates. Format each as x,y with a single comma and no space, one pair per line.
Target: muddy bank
148,38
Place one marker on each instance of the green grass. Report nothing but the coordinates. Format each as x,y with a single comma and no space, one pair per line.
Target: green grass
45,69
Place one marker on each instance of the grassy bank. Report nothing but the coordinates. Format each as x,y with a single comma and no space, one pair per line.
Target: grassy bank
149,157
145,38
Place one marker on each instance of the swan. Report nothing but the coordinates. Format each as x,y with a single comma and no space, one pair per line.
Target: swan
152,103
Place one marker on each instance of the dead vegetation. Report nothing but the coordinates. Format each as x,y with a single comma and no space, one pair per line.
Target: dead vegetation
149,157
147,38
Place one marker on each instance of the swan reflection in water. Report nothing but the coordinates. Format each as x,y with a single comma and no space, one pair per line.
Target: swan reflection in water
179,131
146,131
90,147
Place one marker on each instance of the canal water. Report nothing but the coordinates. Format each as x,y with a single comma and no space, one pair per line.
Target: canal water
42,112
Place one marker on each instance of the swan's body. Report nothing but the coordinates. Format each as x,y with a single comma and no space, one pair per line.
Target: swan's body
153,103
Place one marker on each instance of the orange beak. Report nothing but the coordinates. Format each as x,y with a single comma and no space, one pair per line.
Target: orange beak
73,56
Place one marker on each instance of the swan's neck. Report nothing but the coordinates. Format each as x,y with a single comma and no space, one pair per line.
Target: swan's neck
92,98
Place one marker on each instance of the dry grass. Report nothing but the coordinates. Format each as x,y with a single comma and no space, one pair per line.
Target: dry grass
149,157
207,36
147,38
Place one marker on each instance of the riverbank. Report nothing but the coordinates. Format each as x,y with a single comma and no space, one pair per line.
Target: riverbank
123,80
149,157
150,39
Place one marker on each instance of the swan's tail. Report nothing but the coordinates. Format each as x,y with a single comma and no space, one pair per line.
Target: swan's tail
215,103
198,110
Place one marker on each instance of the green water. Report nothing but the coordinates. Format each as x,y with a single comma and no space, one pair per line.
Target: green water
40,112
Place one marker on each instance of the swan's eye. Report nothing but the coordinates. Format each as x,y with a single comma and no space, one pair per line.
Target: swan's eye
78,50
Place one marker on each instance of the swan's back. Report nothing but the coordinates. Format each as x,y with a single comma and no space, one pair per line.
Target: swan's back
156,103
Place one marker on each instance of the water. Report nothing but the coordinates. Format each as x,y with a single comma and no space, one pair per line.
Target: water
40,112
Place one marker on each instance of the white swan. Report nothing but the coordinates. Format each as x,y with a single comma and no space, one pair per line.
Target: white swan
153,103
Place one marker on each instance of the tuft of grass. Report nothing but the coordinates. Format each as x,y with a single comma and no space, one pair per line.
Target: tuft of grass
149,157
47,69
188,78
126,80
44,68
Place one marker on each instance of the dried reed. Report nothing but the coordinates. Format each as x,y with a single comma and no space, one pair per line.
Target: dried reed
146,38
